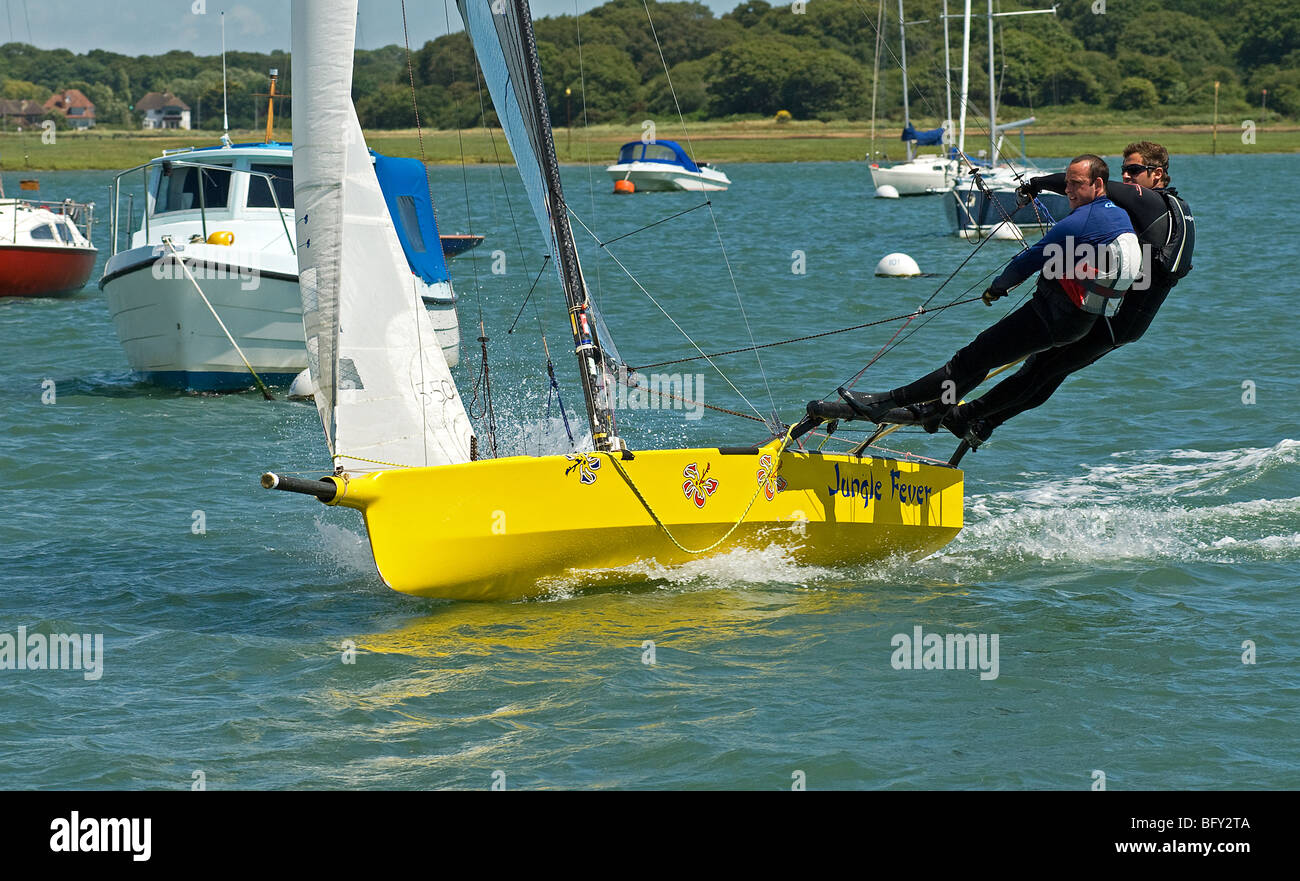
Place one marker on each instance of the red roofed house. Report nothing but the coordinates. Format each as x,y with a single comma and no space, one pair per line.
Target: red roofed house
163,110
75,106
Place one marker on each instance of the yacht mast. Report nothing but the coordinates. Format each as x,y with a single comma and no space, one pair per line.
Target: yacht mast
965,79
993,108
947,80
902,43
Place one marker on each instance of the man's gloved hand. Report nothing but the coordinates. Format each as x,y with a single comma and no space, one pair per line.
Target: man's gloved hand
1027,192
993,293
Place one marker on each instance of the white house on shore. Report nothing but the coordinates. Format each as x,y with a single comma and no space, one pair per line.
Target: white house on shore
163,110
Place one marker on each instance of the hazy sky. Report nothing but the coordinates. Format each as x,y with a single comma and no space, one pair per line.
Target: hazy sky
151,27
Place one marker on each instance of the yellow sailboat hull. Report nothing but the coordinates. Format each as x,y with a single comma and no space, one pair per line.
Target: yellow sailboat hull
510,528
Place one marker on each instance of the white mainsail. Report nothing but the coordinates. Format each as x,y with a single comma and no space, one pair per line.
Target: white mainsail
385,394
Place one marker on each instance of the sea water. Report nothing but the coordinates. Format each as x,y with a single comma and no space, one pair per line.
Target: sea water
1126,582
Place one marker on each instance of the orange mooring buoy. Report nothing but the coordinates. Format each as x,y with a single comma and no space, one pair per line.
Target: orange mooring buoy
624,186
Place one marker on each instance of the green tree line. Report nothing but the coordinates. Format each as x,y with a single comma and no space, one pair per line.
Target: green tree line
815,60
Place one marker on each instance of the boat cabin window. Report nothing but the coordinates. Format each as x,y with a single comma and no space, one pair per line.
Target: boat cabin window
410,222
629,153
259,194
65,232
659,153
45,231
179,190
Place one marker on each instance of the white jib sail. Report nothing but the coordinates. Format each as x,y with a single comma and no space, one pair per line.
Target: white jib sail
385,394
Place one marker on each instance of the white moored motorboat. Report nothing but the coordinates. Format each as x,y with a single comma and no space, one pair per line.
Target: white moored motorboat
227,213
664,166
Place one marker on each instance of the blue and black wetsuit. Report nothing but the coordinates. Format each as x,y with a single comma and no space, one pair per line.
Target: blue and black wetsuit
1053,317
1044,372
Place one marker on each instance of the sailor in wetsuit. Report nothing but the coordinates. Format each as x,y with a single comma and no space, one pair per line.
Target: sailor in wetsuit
1087,262
1146,176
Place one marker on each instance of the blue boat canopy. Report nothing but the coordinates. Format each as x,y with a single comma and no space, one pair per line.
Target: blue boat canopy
668,152
923,139
405,185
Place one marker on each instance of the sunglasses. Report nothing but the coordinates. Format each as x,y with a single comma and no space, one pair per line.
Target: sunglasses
1135,170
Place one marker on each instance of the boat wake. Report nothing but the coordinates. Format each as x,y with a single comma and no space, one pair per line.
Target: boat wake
1184,505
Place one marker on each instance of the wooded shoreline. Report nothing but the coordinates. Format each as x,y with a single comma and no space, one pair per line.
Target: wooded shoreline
714,142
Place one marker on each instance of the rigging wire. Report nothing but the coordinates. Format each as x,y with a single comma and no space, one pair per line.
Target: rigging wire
650,225
523,254
483,378
419,303
775,423
586,132
813,336
523,259
511,330
670,318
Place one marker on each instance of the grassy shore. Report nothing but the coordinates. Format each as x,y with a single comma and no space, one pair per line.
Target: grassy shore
715,142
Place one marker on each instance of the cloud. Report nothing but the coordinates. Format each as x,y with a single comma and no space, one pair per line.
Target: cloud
248,22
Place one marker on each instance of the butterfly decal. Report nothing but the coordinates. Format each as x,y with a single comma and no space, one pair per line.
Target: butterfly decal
770,482
587,465
698,487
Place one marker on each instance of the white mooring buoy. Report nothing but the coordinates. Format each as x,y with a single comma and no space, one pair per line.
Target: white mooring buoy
302,387
885,191
897,266
1006,232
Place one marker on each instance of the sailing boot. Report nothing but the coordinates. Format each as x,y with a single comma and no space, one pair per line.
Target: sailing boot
959,425
975,436
805,425
977,433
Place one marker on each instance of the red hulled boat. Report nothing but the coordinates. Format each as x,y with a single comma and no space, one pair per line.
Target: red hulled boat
45,247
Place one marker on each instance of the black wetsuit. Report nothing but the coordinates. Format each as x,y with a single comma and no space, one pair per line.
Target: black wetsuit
1052,318
1044,372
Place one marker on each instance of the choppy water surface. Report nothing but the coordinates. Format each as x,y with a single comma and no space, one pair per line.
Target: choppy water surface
1122,543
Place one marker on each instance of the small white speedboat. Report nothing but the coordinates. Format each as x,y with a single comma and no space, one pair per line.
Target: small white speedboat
664,166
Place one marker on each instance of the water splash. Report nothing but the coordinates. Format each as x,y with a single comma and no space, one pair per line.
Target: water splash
1137,508
347,550
774,564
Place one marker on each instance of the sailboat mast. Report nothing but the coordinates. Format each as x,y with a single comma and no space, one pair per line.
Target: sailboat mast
993,107
586,346
947,78
875,77
965,79
902,44
225,115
